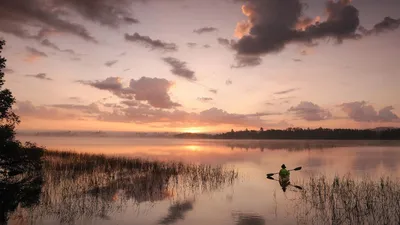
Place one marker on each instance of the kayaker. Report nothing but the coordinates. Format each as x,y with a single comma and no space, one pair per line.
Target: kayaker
284,177
284,172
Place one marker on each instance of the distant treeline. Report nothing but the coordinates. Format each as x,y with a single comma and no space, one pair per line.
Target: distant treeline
299,133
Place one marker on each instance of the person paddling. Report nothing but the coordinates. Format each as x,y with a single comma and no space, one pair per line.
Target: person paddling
284,177
284,172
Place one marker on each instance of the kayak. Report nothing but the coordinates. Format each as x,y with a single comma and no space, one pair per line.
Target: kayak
284,180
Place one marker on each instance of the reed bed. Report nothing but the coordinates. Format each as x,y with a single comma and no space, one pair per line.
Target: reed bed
345,200
78,187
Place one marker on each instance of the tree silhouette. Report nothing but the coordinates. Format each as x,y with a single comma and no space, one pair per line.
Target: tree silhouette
20,165
300,133
8,119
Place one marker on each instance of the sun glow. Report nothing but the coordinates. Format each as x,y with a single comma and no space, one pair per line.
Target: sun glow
192,130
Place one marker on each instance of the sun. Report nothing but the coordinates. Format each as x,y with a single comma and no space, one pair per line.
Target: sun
192,130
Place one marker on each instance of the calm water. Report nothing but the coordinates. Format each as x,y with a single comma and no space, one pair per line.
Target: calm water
251,199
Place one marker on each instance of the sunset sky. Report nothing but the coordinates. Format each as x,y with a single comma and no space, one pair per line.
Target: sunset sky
202,65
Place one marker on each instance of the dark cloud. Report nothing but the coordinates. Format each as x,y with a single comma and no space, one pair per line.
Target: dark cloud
246,61
125,70
205,30
47,43
273,24
40,76
310,111
388,24
225,42
17,15
297,60
228,82
179,68
150,43
131,20
206,46
286,91
110,63
362,112
191,44
153,90
76,59
204,99
112,84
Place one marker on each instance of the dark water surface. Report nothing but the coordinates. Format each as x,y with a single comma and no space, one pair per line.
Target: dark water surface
249,198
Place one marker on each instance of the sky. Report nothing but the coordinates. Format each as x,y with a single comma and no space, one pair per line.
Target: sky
202,66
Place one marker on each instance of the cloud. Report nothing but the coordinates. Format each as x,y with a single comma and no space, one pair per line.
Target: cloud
90,109
131,20
16,16
143,114
214,91
310,111
77,99
206,46
228,82
110,63
297,60
286,91
388,24
47,43
362,112
34,54
40,76
112,84
205,30
27,109
152,90
204,99
225,42
191,44
150,43
273,24
246,61
179,68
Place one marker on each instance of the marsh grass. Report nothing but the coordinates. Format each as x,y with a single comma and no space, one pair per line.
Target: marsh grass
345,200
81,186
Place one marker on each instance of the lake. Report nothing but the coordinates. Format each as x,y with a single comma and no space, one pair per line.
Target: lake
251,199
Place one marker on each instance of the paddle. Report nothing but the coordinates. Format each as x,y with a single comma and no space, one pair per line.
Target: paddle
271,174
296,186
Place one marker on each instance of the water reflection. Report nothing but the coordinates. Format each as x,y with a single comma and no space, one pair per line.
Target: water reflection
248,219
24,193
177,212
85,187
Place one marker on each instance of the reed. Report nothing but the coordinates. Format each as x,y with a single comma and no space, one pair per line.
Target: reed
346,200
